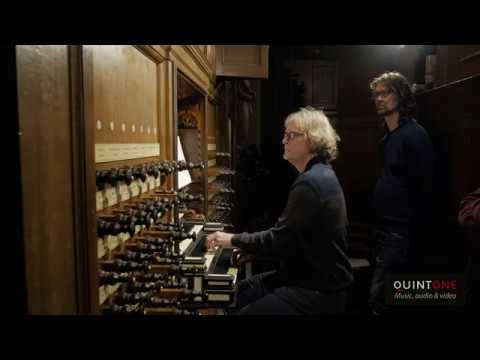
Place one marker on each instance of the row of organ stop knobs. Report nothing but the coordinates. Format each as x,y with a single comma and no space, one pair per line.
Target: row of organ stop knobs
131,266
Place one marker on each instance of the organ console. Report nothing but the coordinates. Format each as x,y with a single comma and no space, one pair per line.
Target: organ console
132,298
165,266
124,309
130,148
135,256
152,257
111,278
119,265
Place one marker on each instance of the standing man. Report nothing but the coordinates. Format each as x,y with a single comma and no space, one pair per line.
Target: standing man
403,196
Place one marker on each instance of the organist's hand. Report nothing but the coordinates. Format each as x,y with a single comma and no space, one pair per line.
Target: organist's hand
219,239
240,257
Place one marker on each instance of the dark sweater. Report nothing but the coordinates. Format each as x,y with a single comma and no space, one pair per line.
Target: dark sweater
404,194
310,237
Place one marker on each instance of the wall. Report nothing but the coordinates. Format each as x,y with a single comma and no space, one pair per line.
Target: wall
455,62
354,113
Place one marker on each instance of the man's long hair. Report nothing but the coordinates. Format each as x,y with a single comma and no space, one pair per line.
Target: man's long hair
396,82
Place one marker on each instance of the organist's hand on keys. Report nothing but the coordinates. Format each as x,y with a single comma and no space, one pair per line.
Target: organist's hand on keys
240,257
219,239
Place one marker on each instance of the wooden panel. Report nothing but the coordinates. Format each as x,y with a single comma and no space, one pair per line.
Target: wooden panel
192,111
451,114
167,110
319,80
192,139
91,188
133,87
46,162
125,95
359,146
211,60
224,118
211,123
211,138
302,72
440,71
455,62
83,188
470,61
191,107
191,144
242,61
210,53
202,49
205,57
324,85
191,64
186,92
241,54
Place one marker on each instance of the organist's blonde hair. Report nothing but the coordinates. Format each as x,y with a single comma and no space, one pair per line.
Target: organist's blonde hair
321,135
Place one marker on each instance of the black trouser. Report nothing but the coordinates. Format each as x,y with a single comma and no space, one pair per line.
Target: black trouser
263,294
391,257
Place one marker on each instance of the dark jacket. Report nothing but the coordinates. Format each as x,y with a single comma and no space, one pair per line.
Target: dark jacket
404,194
310,237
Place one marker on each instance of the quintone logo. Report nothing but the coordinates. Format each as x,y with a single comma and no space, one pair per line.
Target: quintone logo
424,284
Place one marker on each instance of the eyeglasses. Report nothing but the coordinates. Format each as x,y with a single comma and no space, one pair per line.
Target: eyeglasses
383,94
289,135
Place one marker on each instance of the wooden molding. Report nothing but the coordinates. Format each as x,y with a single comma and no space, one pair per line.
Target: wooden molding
89,138
470,56
154,52
83,186
167,110
200,58
189,66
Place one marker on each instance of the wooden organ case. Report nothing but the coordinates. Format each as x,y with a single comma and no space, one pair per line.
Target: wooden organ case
145,176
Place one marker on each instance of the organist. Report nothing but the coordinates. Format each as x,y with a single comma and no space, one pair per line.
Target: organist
309,237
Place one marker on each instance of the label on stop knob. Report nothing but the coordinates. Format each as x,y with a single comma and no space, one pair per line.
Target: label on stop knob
111,195
100,248
112,288
112,242
197,285
99,201
124,191
134,190
144,186
124,237
102,295
151,183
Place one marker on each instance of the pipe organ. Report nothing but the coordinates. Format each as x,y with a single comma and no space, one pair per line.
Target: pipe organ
143,174
155,192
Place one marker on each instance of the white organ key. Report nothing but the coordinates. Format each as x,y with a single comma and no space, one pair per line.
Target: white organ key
233,271
208,259
184,244
196,229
